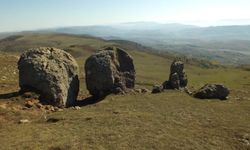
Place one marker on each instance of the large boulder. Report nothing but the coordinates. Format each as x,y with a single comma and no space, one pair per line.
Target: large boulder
50,72
110,70
212,91
177,78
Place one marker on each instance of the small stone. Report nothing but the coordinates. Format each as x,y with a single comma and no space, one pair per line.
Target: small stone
52,109
77,108
187,91
138,91
58,109
118,90
30,95
25,108
39,105
157,89
141,90
245,139
49,108
29,104
27,95
23,121
3,78
145,90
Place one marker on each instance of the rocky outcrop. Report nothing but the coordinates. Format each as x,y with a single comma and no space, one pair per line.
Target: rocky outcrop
177,78
212,91
110,70
50,72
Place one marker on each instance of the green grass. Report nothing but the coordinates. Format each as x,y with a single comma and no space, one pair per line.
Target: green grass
169,120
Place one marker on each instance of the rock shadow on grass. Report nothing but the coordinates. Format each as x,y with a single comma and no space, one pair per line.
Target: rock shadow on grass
9,95
90,100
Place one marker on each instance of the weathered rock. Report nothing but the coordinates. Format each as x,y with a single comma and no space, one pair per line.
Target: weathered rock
50,72
111,70
177,77
40,106
49,108
138,90
187,91
157,89
30,95
145,90
212,91
76,108
31,103
58,109
142,90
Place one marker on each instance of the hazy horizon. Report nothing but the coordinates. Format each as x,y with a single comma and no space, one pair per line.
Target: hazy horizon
39,14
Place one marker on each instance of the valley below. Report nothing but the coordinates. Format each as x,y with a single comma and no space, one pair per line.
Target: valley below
220,44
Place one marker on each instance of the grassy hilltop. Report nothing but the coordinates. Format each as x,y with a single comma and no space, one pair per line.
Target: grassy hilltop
169,120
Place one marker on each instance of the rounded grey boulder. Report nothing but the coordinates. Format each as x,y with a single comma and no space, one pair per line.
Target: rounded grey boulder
50,72
211,91
110,70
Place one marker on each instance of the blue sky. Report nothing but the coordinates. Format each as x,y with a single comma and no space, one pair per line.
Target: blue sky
34,14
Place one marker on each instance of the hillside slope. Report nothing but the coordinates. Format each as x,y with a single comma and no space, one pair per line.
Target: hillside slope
169,120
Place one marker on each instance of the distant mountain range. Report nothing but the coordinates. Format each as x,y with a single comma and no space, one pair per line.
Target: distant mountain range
224,44
176,31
